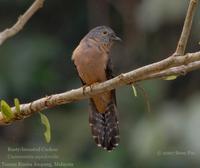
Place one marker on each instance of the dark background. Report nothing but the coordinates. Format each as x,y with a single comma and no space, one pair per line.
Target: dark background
37,62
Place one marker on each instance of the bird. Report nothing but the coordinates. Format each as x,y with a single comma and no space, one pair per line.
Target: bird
93,64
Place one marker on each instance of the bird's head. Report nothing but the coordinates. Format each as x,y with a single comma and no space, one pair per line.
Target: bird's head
103,34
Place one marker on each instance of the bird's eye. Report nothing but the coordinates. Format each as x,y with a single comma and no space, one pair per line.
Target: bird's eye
105,32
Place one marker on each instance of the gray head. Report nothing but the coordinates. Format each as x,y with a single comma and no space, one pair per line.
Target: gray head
103,34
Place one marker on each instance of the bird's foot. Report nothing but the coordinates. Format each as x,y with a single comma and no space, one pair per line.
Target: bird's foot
92,85
84,87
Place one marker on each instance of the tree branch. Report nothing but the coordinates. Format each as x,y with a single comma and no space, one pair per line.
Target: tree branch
7,33
180,50
178,65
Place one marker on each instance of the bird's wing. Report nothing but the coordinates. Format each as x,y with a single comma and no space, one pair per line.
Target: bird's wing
110,75
109,69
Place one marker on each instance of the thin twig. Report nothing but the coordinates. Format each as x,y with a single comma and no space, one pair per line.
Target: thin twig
180,50
146,97
176,71
7,33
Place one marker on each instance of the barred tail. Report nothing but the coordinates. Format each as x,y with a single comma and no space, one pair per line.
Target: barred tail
104,126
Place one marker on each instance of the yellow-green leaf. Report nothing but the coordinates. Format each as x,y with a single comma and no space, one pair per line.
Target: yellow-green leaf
172,77
17,105
134,90
45,122
6,110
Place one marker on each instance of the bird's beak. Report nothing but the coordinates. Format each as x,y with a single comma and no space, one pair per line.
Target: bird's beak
115,38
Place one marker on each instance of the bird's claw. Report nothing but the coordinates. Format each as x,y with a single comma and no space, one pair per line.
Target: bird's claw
91,87
84,87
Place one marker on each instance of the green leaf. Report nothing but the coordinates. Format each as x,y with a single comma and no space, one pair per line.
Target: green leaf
17,105
45,122
172,77
134,90
6,110
146,97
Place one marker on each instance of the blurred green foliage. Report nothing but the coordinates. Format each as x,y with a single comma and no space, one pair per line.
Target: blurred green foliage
39,60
